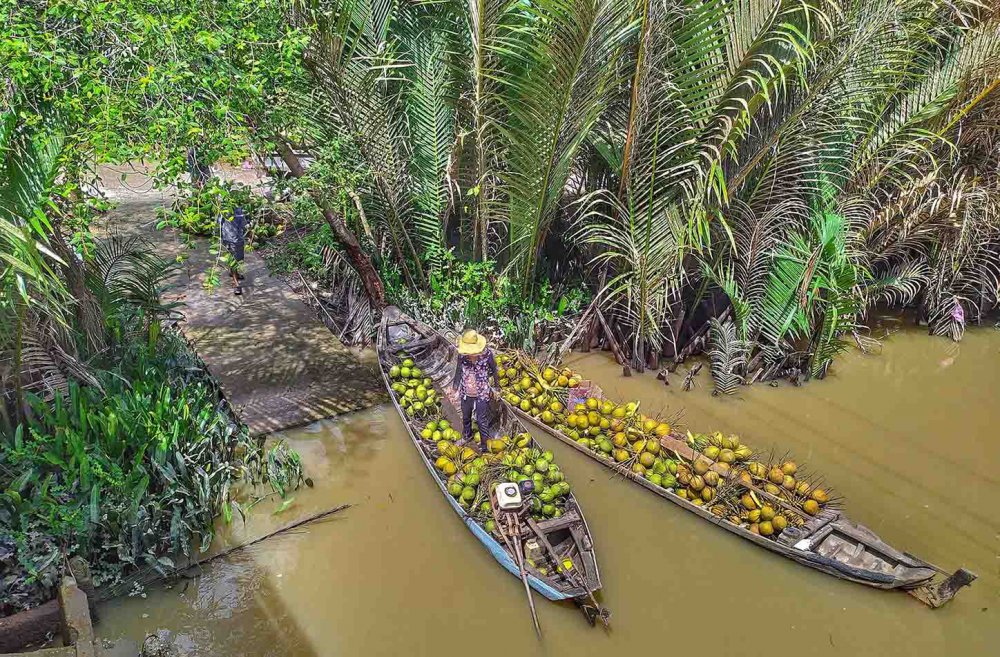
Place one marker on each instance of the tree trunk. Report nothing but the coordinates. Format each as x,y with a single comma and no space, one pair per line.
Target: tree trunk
362,263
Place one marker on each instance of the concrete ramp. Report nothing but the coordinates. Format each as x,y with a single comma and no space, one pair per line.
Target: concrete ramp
278,364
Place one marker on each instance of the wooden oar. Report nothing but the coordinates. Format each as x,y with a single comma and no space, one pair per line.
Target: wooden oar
519,554
510,532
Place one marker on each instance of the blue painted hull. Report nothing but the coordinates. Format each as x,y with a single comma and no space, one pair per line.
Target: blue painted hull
495,548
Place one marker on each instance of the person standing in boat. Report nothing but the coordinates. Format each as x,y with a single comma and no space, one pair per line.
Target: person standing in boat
476,364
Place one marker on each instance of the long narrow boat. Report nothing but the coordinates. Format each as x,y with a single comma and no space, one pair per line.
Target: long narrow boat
828,541
566,537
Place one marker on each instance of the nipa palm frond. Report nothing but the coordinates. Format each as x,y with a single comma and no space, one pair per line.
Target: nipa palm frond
128,270
642,254
563,56
729,357
430,98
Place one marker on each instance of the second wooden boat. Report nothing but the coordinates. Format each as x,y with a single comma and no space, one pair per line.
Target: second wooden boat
828,542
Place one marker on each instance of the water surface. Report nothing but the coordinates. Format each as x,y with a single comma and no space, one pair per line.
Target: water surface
908,437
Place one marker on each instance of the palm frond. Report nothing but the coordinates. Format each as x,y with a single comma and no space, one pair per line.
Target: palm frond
563,57
127,269
728,355
355,63
430,99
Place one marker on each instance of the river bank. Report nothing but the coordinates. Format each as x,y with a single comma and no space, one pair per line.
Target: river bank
880,427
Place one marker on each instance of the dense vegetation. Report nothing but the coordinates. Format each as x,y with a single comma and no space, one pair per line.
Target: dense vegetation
778,166
115,445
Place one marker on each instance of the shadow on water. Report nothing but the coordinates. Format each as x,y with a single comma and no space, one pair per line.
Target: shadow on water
907,437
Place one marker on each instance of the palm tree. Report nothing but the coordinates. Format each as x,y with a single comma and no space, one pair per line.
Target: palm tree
790,157
30,285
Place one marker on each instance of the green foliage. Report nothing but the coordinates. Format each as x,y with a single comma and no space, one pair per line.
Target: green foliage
127,475
303,253
696,130
463,294
197,211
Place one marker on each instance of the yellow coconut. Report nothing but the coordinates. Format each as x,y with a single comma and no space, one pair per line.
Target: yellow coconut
788,483
779,523
776,476
727,456
766,528
702,465
789,467
711,478
767,512
811,507
820,496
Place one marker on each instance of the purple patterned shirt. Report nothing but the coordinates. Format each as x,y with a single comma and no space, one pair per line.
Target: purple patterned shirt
473,378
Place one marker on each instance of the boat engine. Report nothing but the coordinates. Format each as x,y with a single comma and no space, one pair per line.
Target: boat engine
508,496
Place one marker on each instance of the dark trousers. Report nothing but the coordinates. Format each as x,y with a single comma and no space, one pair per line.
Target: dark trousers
482,411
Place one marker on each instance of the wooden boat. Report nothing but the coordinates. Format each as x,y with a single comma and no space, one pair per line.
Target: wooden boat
567,536
828,542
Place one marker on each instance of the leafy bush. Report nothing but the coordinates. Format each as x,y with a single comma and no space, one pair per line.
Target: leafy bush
464,294
126,475
303,253
196,211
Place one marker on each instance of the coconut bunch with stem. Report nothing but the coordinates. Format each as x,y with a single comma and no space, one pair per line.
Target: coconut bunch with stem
727,499
783,479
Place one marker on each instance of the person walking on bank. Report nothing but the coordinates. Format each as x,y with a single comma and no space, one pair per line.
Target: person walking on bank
476,364
233,234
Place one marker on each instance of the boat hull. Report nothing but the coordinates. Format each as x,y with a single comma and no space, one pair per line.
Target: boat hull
495,548
913,575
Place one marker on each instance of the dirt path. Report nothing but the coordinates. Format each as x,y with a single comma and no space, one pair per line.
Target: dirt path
278,364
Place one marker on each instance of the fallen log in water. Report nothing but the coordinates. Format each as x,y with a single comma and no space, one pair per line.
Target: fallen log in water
149,576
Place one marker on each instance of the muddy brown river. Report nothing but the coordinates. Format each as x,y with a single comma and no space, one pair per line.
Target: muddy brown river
909,437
